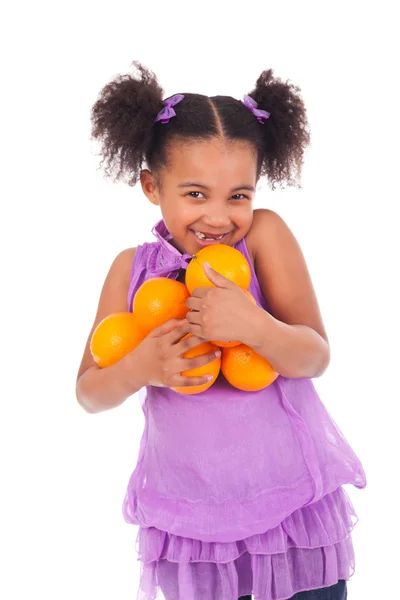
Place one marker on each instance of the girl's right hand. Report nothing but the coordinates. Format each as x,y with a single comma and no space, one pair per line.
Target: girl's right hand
161,360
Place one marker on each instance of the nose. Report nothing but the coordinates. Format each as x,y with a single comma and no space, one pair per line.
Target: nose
217,215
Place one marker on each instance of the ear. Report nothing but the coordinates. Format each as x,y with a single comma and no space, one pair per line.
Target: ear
149,186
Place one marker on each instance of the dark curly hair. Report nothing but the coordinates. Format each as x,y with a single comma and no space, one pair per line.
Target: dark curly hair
123,120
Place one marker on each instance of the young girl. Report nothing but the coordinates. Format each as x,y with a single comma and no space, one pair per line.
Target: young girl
236,493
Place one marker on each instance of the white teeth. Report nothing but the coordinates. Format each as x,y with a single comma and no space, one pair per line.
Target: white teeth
201,236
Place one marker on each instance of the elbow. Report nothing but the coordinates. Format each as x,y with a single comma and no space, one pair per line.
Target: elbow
318,365
325,359
82,399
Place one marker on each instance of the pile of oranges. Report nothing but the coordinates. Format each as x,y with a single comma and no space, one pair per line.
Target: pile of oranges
161,299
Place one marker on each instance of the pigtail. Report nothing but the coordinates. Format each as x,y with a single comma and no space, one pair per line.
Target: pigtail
123,119
286,133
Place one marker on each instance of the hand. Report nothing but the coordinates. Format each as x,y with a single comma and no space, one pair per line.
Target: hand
223,312
161,360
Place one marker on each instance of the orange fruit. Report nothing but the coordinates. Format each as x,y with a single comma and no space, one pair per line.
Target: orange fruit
114,337
222,258
211,368
233,344
158,300
246,370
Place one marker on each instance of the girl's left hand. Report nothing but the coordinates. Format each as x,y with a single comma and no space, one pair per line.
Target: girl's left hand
223,312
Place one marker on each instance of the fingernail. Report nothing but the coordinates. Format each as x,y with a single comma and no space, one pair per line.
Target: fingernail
218,353
209,377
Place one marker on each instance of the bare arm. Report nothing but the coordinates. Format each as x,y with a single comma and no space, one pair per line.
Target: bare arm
98,389
102,389
293,338
158,360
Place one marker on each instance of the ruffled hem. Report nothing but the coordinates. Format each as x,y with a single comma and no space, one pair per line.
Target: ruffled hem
267,577
324,523
311,548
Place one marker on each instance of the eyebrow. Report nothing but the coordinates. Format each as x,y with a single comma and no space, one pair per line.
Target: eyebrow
250,188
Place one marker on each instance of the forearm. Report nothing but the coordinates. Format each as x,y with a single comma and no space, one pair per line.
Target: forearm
294,351
98,389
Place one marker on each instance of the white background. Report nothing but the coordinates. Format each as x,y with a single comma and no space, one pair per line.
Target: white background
64,472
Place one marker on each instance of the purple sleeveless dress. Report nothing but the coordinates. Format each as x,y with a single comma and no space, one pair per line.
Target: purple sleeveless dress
237,492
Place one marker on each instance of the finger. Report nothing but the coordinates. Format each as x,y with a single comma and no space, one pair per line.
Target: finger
168,326
178,333
216,278
193,303
194,317
188,343
196,330
199,361
185,381
200,292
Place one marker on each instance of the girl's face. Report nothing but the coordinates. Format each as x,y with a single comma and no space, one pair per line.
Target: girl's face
206,192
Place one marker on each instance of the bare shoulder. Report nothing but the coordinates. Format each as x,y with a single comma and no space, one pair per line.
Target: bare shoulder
262,218
113,298
118,276
282,271
267,226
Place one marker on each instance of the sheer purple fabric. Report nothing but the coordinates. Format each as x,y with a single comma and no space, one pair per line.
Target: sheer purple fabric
238,492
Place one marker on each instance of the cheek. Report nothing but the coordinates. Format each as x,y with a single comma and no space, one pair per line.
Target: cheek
178,215
187,213
243,215
170,208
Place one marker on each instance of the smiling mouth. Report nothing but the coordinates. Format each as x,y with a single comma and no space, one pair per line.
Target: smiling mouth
208,236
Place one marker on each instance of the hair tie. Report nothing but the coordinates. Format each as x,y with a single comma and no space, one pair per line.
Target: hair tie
251,104
168,112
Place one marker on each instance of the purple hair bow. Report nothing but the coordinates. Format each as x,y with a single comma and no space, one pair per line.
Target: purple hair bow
252,105
168,112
